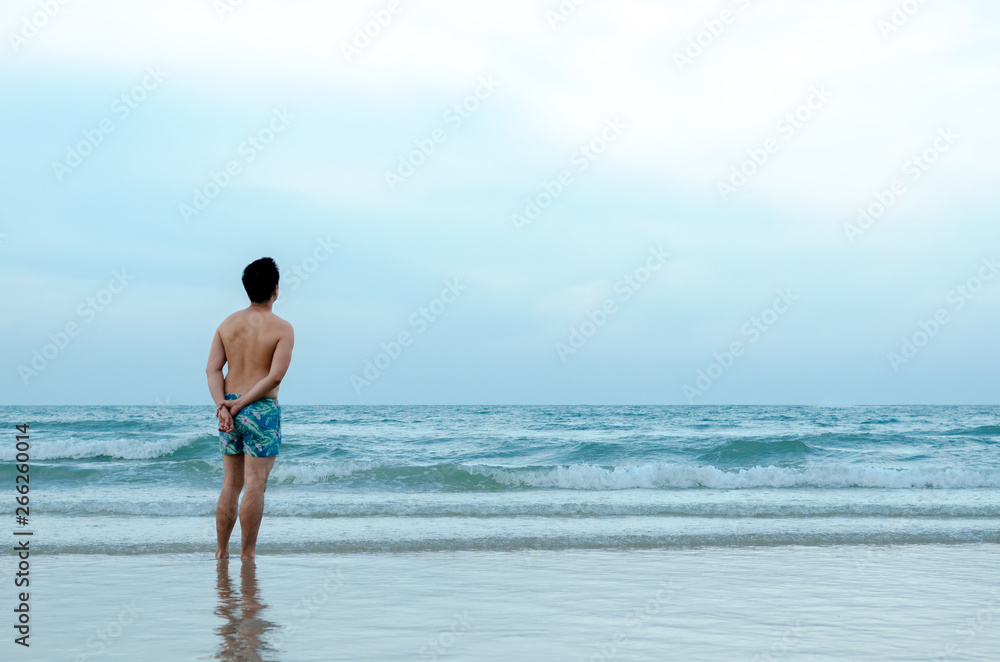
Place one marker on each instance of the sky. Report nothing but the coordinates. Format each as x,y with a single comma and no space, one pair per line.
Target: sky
518,202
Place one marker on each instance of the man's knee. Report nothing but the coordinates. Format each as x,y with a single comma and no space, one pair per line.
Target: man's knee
233,482
256,484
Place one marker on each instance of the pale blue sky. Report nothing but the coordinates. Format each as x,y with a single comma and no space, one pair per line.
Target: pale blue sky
655,186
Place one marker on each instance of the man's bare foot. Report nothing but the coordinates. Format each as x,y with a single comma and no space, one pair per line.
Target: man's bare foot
247,557
221,554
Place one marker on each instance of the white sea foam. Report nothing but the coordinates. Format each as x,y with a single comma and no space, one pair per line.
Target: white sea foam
314,472
502,505
665,475
74,534
656,475
73,448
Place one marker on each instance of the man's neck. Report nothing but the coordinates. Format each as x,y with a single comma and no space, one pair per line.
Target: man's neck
261,307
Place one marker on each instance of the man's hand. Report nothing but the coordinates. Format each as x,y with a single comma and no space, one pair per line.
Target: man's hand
225,419
234,406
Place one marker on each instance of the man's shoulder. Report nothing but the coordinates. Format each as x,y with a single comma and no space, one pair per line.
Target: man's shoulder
232,317
282,323
228,320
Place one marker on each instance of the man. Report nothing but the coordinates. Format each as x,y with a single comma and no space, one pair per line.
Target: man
257,344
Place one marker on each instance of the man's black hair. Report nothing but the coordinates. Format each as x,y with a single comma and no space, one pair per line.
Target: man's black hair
259,279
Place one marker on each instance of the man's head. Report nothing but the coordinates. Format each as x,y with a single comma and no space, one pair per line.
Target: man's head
259,279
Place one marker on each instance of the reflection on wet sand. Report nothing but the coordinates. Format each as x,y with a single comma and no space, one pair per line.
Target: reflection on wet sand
243,634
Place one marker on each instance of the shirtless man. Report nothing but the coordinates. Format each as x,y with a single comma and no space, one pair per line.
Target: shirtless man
257,344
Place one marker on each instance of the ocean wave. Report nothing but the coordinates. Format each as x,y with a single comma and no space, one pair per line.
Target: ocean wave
981,431
137,448
375,474
320,472
678,476
742,450
532,546
657,475
204,506
94,425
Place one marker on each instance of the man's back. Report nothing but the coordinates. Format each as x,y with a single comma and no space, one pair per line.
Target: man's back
250,337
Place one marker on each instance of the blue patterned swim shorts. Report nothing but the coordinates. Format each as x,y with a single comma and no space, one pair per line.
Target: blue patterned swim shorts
256,429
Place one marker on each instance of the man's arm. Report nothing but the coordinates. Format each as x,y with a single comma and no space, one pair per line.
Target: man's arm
280,361
216,382
216,361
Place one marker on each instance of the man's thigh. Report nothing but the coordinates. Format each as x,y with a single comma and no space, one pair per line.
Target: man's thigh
233,465
257,469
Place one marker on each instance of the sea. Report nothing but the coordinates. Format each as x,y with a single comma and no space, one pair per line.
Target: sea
521,532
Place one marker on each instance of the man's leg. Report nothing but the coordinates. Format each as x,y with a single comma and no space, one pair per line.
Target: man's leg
228,506
255,472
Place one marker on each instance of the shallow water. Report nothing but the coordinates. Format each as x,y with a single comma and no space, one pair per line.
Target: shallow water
923,602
